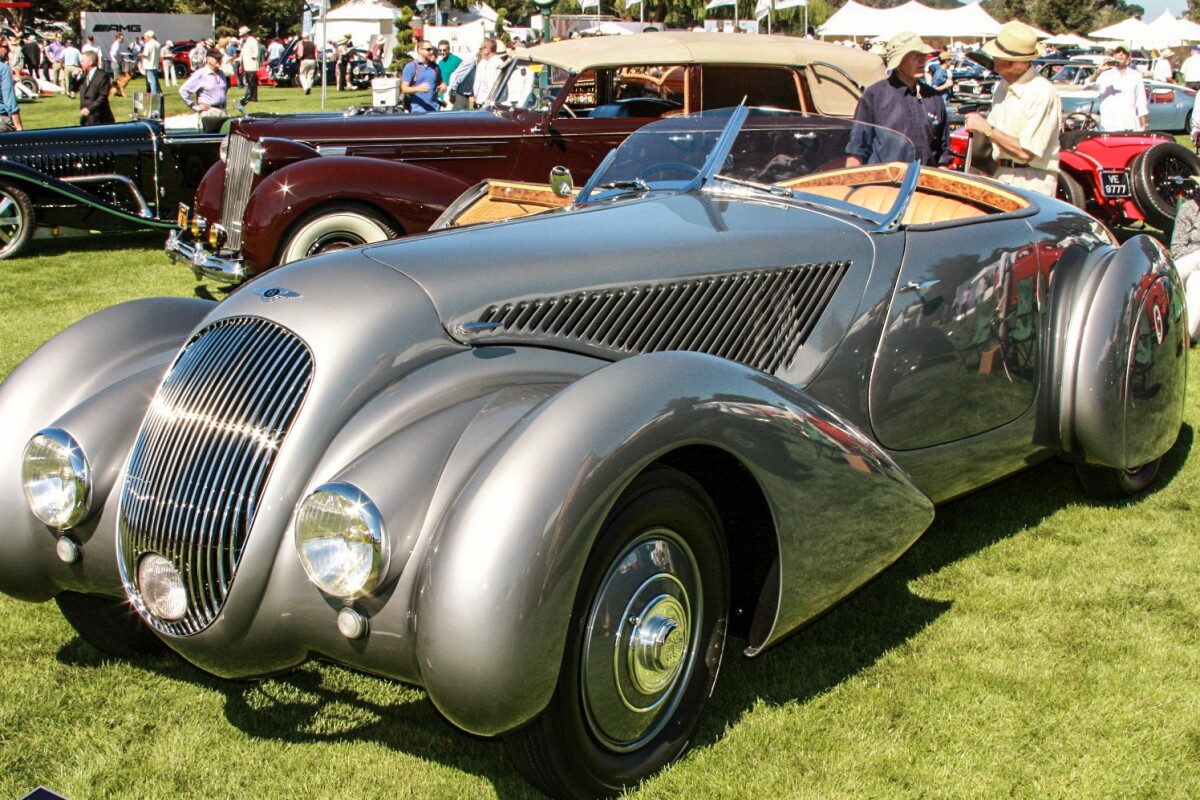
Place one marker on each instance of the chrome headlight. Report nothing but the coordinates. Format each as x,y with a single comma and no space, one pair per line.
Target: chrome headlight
56,478
257,153
162,587
340,537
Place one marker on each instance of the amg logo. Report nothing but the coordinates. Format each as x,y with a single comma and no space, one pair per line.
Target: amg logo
101,27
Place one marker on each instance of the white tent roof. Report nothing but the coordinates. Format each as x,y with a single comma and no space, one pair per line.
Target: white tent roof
1172,31
855,19
364,10
1070,40
1126,30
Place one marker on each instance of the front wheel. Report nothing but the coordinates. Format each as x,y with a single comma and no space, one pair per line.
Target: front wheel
1108,483
17,220
109,625
335,229
644,648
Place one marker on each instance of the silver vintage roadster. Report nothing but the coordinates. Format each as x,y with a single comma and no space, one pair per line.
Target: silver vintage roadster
547,467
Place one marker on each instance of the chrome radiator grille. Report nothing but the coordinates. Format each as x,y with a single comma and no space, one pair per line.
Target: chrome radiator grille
759,318
238,178
202,456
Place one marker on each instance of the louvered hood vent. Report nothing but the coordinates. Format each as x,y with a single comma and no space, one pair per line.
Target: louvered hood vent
68,165
203,455
759,318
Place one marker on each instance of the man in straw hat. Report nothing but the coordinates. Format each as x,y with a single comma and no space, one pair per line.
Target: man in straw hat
1122,93
1024,122
250,56
904,103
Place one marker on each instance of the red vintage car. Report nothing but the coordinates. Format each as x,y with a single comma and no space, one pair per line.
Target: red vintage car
1119,178
292,187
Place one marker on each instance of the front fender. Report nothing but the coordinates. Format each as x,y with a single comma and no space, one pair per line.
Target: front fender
45,190
493,600
1125,406
413,196
95,379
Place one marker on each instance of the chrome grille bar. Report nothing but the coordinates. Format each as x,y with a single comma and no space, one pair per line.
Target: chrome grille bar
205,451
760,318
238,178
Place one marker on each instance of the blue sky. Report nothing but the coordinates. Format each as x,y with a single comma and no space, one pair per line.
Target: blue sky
1154,8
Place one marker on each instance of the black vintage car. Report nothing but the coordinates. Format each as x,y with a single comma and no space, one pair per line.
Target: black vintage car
122,177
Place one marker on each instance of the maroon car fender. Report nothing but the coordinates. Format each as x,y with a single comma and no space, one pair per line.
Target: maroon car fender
411,196
208,194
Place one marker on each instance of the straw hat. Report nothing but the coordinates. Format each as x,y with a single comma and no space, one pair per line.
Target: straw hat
242,31
901,45
1016,42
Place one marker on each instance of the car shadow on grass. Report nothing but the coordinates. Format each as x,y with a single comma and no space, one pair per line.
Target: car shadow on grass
322,704
89,244
885,613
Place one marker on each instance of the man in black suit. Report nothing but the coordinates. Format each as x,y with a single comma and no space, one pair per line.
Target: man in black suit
93,93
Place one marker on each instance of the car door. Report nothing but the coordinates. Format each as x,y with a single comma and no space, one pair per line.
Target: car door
960,350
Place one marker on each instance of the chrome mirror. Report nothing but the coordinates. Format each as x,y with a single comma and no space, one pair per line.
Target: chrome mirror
561,182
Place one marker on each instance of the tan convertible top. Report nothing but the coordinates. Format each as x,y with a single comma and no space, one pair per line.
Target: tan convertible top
685,47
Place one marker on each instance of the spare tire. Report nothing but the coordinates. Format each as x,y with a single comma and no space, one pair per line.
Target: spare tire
1156,179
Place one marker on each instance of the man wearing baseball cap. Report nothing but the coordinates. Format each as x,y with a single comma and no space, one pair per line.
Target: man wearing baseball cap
1189,70
1024,122
904,103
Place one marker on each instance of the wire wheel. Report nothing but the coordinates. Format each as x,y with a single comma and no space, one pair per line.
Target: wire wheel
16,220
645,645
1159,177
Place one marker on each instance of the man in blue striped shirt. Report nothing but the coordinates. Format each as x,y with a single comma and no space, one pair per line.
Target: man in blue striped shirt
10,112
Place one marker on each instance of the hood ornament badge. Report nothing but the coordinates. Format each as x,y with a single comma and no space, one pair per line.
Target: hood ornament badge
272,293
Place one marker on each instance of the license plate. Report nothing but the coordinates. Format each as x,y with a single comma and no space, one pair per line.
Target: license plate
182,217
1114,184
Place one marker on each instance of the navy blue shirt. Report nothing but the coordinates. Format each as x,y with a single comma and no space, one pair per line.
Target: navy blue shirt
919,113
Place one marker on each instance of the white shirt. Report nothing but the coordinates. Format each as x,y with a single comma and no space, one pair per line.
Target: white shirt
485,77
1029,110
1162,70
1122,99
1190,69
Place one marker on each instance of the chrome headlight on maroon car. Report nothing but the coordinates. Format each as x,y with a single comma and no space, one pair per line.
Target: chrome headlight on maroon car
56,478
340,538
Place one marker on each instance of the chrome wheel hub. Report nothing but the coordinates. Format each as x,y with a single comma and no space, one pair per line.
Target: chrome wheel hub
641,645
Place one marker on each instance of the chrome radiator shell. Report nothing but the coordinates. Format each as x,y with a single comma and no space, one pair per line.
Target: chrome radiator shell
202,457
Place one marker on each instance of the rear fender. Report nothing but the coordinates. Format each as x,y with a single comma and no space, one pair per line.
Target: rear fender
95,380
412,196
1125,360
493,598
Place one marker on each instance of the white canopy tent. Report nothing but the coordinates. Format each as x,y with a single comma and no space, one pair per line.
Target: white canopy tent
363,20
1173,31
964,22
1070,40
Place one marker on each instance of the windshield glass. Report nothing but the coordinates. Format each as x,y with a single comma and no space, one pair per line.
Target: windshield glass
778,151
524,84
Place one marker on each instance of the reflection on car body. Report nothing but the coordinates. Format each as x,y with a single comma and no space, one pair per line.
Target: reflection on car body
545,482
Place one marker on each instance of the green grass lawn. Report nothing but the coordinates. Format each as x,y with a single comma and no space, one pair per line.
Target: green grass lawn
51,111
1030,645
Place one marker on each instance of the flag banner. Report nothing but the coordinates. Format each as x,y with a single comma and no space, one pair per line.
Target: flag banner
762,9
584,5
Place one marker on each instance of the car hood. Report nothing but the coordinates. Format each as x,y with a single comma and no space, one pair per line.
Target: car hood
628,248
98,137
340,128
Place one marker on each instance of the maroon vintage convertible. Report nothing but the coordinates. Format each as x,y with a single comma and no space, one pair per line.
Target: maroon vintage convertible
291,187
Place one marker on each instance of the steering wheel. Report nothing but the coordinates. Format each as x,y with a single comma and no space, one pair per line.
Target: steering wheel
667,166
1080,121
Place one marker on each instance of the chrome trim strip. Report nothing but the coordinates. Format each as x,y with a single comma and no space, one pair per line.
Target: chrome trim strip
143,207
